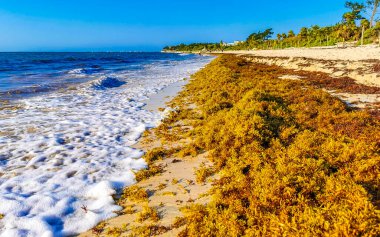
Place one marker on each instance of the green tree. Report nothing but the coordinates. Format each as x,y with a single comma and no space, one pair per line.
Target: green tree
303,33
258,38
354,13
267,34
221,45
365,23
291,34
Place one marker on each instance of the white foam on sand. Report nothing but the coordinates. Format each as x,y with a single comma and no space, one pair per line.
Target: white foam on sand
66,153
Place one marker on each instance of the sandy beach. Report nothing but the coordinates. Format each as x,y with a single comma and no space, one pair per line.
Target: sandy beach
361,64
322,53
211,119
176,187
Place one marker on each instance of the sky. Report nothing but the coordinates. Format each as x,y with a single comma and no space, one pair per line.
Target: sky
149,25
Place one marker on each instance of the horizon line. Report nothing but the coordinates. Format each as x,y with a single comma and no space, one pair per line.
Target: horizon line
81,51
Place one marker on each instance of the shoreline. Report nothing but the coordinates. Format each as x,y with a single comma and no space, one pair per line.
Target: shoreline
84,137
175,184
158,101
163,224
358,53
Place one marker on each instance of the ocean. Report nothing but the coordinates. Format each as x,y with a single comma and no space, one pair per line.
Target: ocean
68,122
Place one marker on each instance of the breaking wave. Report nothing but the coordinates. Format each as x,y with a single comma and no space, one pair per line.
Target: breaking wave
108,82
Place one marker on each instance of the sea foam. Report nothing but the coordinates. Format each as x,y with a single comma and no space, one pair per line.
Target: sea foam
63,155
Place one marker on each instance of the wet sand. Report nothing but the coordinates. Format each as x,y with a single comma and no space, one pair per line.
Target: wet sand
158,101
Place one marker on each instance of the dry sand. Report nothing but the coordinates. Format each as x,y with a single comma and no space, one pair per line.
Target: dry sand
359,63
325,53
363,72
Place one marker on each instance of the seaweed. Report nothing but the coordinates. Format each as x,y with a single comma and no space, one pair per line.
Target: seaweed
293,160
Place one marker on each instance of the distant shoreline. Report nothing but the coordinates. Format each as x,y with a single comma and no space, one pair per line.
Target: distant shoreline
367,52
360,63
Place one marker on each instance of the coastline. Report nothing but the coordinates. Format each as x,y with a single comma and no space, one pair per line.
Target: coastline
172,137
358,53
175,184
83,136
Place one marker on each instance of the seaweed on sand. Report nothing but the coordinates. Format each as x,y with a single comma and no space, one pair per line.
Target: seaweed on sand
292,159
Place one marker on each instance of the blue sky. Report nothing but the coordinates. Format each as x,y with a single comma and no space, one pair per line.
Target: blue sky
148,25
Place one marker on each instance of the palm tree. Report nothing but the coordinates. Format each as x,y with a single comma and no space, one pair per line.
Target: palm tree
291,34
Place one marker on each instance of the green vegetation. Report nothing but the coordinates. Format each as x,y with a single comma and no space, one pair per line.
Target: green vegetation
292,160
354,27
196,47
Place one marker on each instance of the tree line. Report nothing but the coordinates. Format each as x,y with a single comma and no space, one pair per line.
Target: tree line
359,25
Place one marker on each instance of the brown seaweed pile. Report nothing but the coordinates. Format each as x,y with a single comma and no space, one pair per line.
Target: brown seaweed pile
292,159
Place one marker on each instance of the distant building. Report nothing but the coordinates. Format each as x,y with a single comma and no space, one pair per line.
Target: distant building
236,42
